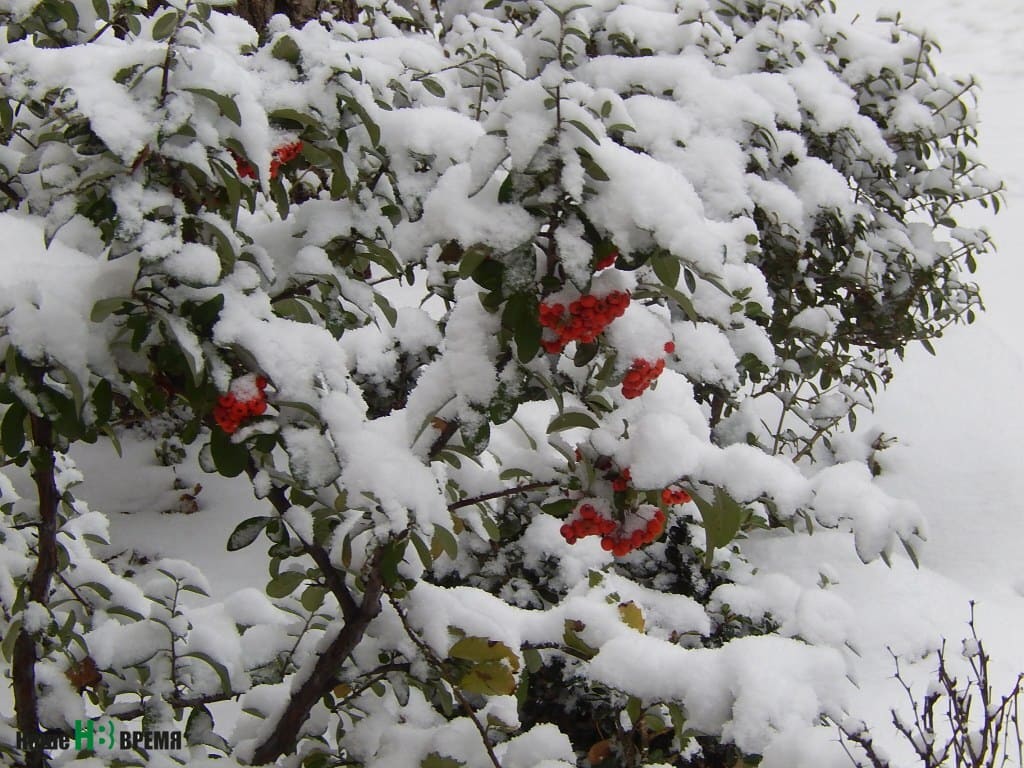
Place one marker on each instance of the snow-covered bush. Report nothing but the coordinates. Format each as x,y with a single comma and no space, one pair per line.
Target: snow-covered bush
959,720
519,316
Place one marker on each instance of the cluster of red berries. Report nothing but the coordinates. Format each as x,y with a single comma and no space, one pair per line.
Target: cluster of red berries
235,407
671,496
615,538
642,373
587,317
283,154
587,522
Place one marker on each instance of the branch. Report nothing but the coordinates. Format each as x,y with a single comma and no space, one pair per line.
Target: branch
281,736
499,494
176,701
78,596
332,577
25,656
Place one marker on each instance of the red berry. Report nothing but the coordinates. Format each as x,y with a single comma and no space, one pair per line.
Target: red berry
670,347
608,260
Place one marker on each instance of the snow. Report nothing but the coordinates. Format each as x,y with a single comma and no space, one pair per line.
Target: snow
957,475
749,688
47,297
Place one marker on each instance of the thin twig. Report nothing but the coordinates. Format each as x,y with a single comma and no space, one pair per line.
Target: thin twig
438,664
500,494
333,578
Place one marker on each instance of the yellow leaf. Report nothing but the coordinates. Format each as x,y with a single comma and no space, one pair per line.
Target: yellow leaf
632,616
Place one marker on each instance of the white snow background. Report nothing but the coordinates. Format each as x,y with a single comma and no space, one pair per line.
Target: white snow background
958,416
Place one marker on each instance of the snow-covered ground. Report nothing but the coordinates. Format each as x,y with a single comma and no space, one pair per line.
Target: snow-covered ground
959,416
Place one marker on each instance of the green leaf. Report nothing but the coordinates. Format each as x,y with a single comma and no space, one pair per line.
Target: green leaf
572,640
103,308
514,473
559,507
12,430
205,315
313,597
472,258
164,27
389,312
286,49
593,170
571,420
433,87
444,541
390,559
102,401
475,437
436,760
226,104
518,309
68,14
102,9
683,301
292,118
910,552
285,583
667,268
722,520
194,589
372,129
230,459
422,550
100,589
216,666
528,337
384,258
245,532
491,527
199,723
582,128
690,280
585,352
11,634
